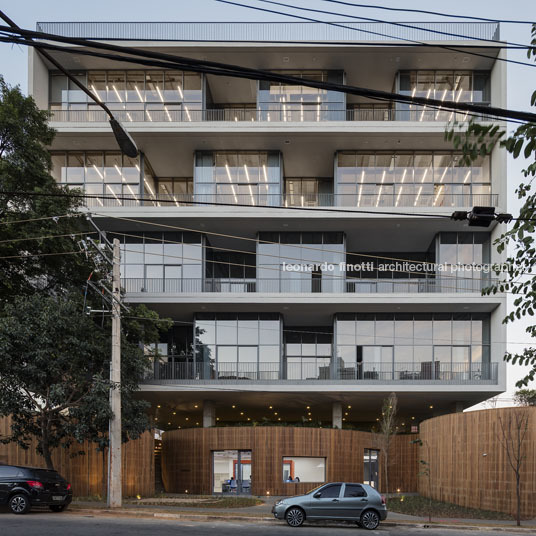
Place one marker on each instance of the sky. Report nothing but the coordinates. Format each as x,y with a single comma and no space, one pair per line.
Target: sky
521,80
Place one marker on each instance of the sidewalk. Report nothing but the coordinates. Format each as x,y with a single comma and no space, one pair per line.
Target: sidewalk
262,514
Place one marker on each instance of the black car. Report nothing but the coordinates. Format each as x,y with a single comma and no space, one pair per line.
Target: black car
21,488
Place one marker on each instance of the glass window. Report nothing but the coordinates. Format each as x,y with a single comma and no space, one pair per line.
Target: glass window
306,469
330,492
354,490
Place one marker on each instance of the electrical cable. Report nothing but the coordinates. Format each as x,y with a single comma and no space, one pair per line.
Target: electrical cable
451,105
39,219
209,203
46,236
404,24
256,74
437,13
339,25
484,117
399,24
454,342
40,255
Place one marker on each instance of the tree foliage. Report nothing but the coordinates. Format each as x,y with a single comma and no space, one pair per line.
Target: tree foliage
54,370
54,375
525,397
517,242
24,167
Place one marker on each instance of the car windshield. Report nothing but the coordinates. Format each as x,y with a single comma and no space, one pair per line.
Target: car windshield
314,489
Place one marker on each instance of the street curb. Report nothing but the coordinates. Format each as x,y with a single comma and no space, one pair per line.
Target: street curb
270,520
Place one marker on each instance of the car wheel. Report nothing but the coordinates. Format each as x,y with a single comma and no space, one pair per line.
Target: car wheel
295,517
58,507
369,520
19,504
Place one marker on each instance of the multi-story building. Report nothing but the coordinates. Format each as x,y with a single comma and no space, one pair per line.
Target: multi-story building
296,236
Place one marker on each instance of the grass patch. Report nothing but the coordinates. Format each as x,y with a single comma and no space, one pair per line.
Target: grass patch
420,506
208,502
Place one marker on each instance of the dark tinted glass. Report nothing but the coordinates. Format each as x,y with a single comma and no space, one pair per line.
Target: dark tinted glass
7,471
352,490
44,474
331,491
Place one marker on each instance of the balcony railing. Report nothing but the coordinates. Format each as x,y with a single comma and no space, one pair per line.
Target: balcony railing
291,113
169,369
334,285
348,201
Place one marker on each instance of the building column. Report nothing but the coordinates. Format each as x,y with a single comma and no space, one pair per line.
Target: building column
458,407
209,414
336,415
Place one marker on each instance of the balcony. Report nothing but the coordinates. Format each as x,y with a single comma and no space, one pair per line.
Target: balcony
291,113
169,369
380,198
421,285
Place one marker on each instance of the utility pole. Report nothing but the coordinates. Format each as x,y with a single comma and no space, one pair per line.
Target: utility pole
114,449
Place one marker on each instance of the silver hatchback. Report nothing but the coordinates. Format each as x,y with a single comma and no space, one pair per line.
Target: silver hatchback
341,501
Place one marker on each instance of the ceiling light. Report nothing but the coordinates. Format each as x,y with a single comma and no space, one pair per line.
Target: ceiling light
233,406
270,407
157,406
349,407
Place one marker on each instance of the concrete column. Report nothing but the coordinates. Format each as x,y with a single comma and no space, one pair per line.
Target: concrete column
209,414
336,412
458,407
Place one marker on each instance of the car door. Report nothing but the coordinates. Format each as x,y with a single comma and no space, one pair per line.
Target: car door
354,499
324,503
8,476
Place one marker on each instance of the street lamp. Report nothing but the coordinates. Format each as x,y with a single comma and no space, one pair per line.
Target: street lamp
123,138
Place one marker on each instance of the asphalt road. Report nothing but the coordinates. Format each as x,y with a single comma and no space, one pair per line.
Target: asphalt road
50,524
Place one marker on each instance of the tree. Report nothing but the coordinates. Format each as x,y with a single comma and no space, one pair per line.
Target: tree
525,397
386,432
24,167
512,435
54,373
426,472
478,140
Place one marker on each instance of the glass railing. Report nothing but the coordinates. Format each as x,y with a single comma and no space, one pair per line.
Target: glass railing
294,113
328,285
177,368
370,200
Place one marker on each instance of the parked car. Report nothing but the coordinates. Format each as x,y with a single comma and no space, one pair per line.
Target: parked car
21,488
342,501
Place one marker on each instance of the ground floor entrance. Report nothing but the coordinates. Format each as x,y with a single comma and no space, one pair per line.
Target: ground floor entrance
231,472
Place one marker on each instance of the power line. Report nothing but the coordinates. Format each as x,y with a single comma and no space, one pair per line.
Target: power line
438,13
222,69
339,25
393,23
29,255
215,203
46,237
454,342
39,219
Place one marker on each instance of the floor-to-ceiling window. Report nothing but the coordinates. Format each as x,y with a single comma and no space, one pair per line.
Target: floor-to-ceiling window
411,179
112,178
241,178
413,346
290,102
161,261
300,262
444,85
308,353
238,345
133,95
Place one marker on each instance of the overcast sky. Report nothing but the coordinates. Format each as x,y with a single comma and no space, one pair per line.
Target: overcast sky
521,79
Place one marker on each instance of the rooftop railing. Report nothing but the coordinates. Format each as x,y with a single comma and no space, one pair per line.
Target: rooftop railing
172,369
380,198
412,284
288,114
255,32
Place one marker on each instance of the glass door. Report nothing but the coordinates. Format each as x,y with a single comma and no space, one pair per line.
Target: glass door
231,472
371,467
